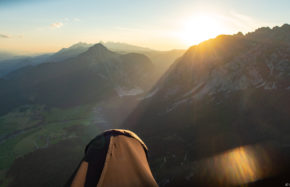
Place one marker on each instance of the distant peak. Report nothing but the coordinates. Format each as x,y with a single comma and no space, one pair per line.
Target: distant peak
99,49
80,44
99,45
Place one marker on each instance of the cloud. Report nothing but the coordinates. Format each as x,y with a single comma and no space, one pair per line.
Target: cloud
236,22
243,21
247,23
77,19
4,36
56,25
60,23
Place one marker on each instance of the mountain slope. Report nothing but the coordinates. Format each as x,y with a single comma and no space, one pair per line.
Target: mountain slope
89,77
161,59
7,56
224,93
10,65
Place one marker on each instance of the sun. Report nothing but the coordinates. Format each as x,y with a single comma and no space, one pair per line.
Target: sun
200,27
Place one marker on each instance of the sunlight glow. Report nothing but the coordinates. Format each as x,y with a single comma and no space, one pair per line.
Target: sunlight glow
200,27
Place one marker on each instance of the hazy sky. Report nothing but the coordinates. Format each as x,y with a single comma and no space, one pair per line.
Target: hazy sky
48,25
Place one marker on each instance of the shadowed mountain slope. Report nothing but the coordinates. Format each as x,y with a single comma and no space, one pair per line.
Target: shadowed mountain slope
93,75
224,93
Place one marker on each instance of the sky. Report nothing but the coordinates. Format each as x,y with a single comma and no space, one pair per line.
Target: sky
40,26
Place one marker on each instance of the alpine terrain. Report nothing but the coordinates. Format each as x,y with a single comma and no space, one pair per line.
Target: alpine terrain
225,93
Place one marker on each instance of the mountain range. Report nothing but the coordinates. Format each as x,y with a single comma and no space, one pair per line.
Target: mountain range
162,59
86,78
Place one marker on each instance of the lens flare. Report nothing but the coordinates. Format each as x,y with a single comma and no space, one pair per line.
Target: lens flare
240,166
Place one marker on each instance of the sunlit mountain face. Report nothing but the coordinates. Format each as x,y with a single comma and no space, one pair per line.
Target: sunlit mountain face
219,116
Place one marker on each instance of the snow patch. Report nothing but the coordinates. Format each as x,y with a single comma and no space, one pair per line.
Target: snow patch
128,92
194,89
205,90
152,93
172,92
270,86
261,84
169,109
102,76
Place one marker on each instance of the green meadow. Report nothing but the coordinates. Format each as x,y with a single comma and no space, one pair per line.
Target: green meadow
31,128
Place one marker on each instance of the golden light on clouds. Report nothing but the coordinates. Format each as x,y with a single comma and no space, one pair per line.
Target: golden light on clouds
56,25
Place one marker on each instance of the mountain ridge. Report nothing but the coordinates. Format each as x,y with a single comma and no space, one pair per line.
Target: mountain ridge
224,93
